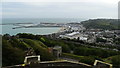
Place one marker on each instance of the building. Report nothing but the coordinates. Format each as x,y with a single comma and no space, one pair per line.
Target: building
76,35
56,51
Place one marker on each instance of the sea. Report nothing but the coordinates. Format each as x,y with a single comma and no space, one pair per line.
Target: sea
7,29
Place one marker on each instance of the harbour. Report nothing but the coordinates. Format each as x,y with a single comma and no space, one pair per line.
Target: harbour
9,24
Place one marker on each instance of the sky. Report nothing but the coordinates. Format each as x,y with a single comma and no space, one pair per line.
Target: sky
59,9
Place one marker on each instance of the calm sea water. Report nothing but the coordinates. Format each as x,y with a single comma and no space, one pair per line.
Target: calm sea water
42,31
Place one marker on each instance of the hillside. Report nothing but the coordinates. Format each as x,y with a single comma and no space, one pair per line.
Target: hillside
101,24
14,47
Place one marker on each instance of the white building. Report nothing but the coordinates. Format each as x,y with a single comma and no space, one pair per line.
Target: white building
75,35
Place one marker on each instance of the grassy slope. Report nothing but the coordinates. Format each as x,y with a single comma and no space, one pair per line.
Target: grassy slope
102,23
15,48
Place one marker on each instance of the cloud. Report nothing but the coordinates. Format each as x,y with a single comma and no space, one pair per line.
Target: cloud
97,1
37,3
59,9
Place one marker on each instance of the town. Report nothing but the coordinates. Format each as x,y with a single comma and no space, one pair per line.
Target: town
77,31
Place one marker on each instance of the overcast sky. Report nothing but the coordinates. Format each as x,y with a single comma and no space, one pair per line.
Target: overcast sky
60,9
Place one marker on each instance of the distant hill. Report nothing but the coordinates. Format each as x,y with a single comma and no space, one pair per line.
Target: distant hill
101,24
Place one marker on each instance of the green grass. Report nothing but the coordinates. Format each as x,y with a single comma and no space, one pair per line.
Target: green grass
72,56
84,59
109,59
